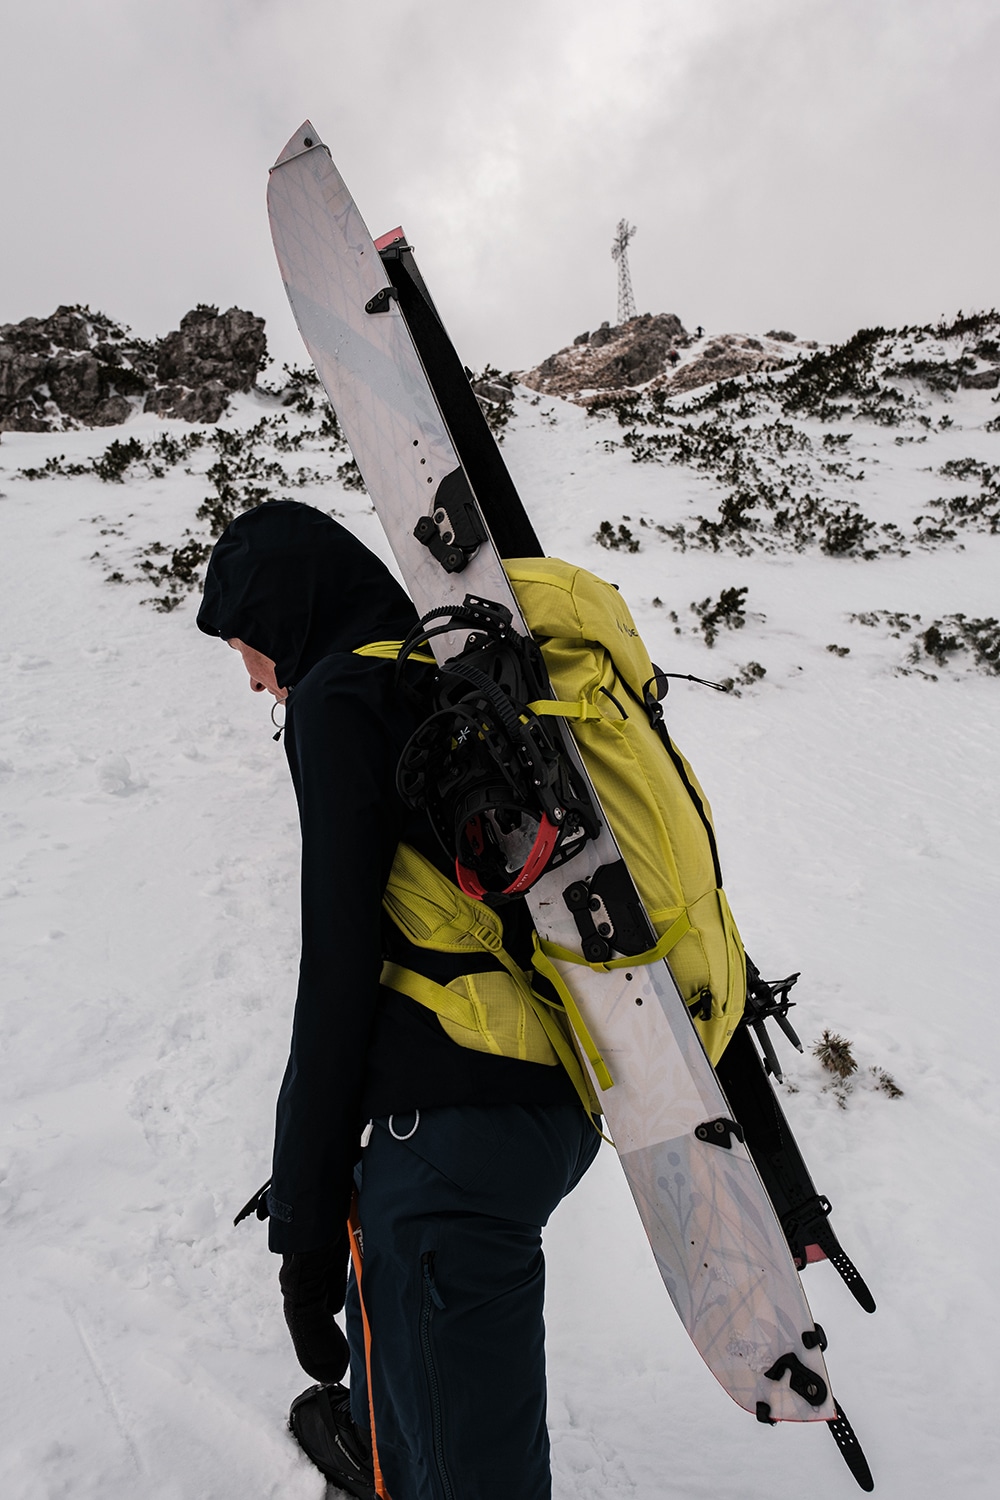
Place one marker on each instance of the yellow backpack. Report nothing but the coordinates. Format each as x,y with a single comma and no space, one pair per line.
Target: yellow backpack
605,686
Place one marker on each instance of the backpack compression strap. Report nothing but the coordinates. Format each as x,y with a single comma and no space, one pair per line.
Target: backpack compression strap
542,960
389,651
557,708
664,944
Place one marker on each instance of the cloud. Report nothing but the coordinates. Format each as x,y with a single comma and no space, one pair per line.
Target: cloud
814,163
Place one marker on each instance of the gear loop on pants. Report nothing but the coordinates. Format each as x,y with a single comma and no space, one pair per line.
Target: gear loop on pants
411,1133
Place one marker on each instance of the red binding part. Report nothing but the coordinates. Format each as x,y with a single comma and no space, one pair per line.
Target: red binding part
469,882
385,240
534,866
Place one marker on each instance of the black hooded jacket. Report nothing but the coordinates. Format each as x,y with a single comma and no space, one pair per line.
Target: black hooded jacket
290,582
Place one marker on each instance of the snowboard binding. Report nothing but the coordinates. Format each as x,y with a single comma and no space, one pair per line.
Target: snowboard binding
500,792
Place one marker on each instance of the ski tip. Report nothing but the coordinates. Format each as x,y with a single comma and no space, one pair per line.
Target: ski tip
304,139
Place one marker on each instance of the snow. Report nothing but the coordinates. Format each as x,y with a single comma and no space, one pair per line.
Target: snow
149,904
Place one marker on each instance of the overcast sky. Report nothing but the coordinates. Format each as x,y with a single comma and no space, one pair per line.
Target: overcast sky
813,165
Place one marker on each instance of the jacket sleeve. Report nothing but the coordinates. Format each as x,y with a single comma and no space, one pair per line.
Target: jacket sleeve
342,754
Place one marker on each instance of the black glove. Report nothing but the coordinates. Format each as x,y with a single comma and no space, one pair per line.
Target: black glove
313,1286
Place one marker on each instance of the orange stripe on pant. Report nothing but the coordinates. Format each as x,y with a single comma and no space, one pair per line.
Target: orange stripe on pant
357,1259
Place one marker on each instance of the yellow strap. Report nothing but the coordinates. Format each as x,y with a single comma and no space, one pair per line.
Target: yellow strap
563,1050
461,1012
545,966
567,1056
669,940
443,1002
553,708
465,919
390,650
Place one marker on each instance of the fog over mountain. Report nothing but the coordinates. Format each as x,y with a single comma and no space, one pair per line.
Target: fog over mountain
814,164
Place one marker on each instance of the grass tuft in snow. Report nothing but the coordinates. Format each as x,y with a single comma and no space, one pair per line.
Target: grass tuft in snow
963,512
618,539
495,393
835,1053
727,612
945,639
750,673
952,641
886,1083
242,468
785,484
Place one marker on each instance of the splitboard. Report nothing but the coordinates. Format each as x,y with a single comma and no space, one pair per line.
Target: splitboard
719,1247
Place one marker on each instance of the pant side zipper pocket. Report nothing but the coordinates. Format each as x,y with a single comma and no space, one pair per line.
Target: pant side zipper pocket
430,1298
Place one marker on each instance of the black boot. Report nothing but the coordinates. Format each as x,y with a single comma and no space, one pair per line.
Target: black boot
321,1420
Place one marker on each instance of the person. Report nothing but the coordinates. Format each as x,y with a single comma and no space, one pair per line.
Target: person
457,1150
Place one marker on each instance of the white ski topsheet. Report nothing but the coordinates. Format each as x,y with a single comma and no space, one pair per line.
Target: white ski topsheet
719,1248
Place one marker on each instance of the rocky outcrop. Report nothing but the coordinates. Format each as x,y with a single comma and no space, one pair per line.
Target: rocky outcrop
493,387
655,352
981,380
204,361
78,368
611,358
723,358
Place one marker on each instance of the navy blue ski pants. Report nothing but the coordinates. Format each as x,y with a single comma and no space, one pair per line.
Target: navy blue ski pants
453,1284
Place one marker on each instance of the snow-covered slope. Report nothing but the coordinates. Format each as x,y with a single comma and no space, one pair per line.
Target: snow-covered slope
149,903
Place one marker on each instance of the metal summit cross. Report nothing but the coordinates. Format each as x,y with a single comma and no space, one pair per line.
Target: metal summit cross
619,252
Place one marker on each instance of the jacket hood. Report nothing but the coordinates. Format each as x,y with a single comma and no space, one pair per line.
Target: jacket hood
295,585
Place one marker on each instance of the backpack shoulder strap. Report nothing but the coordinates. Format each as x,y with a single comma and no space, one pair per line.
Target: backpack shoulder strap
434,913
